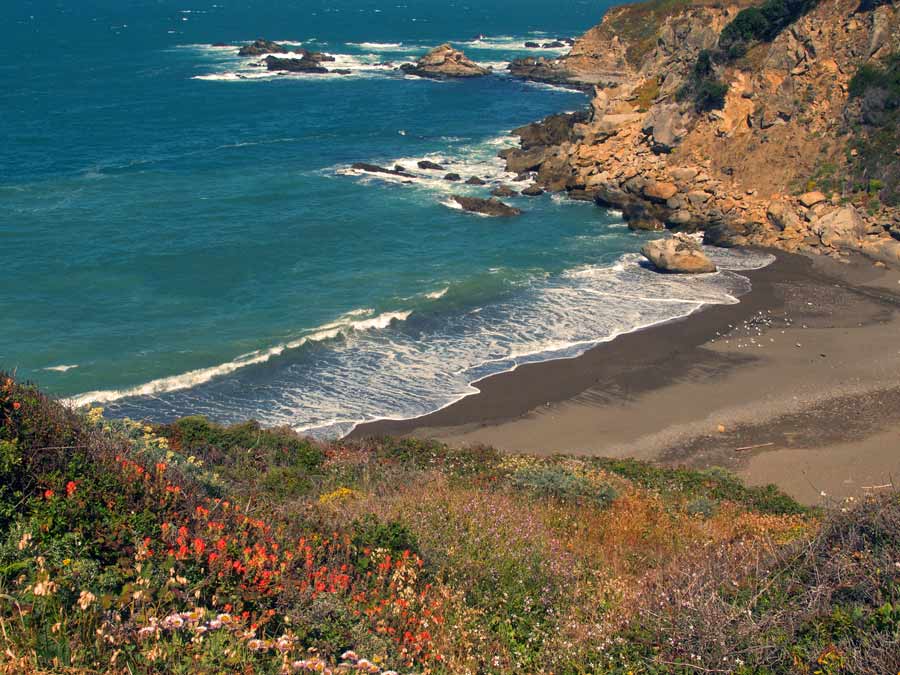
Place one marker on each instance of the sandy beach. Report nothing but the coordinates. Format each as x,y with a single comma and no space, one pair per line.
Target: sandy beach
798,385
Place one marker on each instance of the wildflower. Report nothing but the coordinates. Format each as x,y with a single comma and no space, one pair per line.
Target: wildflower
24,541
173,622
45,588
225,618
48,494
283,643
350,655
146,632
16,405
255,645
86,599
71,487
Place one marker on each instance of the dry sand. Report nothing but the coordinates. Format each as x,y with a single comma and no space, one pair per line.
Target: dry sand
798,385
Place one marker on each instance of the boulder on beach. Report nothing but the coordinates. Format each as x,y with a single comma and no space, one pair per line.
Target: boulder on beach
445,62
677,254
486,207
260,47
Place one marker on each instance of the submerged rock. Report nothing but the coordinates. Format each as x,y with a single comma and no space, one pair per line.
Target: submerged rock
486,207
426,164
677,254
453,177
533,191
444,62
504,191
374,168
475,180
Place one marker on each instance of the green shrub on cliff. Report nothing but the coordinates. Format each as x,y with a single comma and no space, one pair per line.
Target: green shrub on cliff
761,24
875,99
703,86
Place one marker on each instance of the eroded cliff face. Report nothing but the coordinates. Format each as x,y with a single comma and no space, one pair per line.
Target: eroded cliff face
764,168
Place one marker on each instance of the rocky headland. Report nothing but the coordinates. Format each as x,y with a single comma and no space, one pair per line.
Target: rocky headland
774,125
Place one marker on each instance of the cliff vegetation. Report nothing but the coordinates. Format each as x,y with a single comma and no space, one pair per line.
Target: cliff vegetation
195,548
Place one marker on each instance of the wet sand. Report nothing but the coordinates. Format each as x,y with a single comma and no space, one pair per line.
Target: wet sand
798,385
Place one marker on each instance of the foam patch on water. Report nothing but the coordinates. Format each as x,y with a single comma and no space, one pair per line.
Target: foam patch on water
61,368
404,369
508,43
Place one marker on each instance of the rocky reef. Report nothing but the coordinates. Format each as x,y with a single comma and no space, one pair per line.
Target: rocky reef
486,207
307,62
260,47
702,120
445,62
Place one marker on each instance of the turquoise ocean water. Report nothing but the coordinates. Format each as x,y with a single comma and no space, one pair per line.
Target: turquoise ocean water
181,233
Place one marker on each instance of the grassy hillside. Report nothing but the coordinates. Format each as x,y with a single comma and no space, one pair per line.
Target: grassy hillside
193,548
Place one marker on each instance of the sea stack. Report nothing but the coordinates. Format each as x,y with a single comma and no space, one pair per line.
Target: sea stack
445,62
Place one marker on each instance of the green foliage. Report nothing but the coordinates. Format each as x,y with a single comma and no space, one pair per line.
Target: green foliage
371,533
875,164
713,484
559,483
703,87
761,24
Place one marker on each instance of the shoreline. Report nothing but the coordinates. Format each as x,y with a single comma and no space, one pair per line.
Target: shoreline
777,385
568,381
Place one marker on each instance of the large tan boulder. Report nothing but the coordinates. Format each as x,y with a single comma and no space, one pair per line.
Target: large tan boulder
810,199
659,191
677,254
782,215
842,227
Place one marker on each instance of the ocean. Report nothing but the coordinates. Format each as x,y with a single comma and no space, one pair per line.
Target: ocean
182,233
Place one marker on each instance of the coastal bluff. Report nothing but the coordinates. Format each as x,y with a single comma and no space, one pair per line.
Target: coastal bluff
773,124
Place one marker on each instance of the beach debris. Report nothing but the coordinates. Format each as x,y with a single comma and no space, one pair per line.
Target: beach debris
721,428
754,447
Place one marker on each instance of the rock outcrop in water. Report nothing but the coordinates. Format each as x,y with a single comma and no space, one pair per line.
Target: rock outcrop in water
308,62
678,254
445,62
695,124
261,47
486,207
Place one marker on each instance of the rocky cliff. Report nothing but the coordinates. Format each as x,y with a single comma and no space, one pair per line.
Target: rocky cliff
770,124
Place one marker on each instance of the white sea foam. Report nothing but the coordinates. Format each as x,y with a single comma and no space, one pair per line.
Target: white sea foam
418,366
467,160
384,46
61,368
438,294
508,43
194,378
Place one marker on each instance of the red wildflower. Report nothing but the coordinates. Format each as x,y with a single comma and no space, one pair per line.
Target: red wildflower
16,405
48,493
71,487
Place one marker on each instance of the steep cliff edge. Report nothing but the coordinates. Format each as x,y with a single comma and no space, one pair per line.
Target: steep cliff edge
772,124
